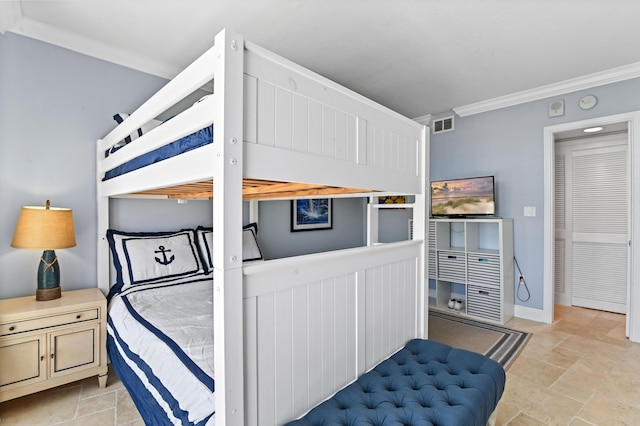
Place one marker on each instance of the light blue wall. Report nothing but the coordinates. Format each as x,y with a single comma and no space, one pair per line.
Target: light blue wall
276,239
274,232
508,143
349,228
144,215
54,105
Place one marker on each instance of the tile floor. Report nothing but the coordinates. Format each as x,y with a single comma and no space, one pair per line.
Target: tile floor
81,403
581,370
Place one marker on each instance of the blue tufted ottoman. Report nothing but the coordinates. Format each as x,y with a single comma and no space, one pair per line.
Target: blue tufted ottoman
424,383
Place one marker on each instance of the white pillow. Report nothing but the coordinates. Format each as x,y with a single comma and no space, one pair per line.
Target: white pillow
205,244
250,248
147,257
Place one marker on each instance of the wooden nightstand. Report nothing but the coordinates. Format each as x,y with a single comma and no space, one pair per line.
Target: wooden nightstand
50,343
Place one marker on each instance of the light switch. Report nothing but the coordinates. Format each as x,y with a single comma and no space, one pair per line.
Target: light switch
529,210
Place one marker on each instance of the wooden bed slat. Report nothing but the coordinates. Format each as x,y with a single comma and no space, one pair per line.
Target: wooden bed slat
252,189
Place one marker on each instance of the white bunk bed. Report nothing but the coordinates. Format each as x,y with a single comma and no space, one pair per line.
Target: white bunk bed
288,332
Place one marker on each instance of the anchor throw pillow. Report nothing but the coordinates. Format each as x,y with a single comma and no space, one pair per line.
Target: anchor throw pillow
149,257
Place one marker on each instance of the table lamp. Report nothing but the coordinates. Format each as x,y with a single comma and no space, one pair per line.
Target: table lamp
45,228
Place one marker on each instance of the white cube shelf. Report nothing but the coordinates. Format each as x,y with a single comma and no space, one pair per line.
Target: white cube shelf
474,256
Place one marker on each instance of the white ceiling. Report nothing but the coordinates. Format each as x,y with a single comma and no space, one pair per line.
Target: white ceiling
417,57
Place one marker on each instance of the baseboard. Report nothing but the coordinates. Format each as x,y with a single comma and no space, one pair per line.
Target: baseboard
531,314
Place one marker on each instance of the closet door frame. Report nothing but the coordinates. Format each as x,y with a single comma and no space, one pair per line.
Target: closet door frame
570,150
633,121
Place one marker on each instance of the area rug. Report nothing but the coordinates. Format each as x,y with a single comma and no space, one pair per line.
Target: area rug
499,343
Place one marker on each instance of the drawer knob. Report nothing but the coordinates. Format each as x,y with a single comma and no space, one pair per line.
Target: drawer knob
78,316
13,327
52,355
42,358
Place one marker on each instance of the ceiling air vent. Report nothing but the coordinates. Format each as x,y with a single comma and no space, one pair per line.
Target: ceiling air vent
443,125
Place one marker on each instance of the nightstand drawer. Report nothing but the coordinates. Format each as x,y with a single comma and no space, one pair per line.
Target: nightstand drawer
51,321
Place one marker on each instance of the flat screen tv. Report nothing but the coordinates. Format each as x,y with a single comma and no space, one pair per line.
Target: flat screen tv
467,197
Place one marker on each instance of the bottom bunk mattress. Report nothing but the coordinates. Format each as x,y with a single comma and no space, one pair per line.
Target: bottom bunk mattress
424,383
160,342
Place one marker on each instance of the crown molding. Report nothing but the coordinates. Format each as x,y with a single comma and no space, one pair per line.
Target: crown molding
10,12
73,41
425,120
11,19
612,75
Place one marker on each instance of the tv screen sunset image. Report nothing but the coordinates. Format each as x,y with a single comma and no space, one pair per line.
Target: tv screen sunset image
465,197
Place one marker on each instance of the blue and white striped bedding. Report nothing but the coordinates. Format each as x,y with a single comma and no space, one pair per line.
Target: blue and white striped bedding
195,140
160,342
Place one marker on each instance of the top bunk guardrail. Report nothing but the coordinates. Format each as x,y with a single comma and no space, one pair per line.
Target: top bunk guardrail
297,127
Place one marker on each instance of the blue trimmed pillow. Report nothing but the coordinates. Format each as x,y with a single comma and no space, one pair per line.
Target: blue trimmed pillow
250,248
253,226
146,128
205,244
148,257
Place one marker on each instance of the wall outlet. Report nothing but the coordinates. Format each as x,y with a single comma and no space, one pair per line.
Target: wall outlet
530,211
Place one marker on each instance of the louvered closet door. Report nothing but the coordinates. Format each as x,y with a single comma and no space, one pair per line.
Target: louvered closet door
560,278
593,255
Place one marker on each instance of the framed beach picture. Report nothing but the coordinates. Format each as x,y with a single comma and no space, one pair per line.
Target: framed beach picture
311,214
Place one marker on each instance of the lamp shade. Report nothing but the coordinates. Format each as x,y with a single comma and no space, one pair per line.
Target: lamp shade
44,228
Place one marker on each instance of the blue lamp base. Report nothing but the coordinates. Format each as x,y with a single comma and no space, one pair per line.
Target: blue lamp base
48,277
